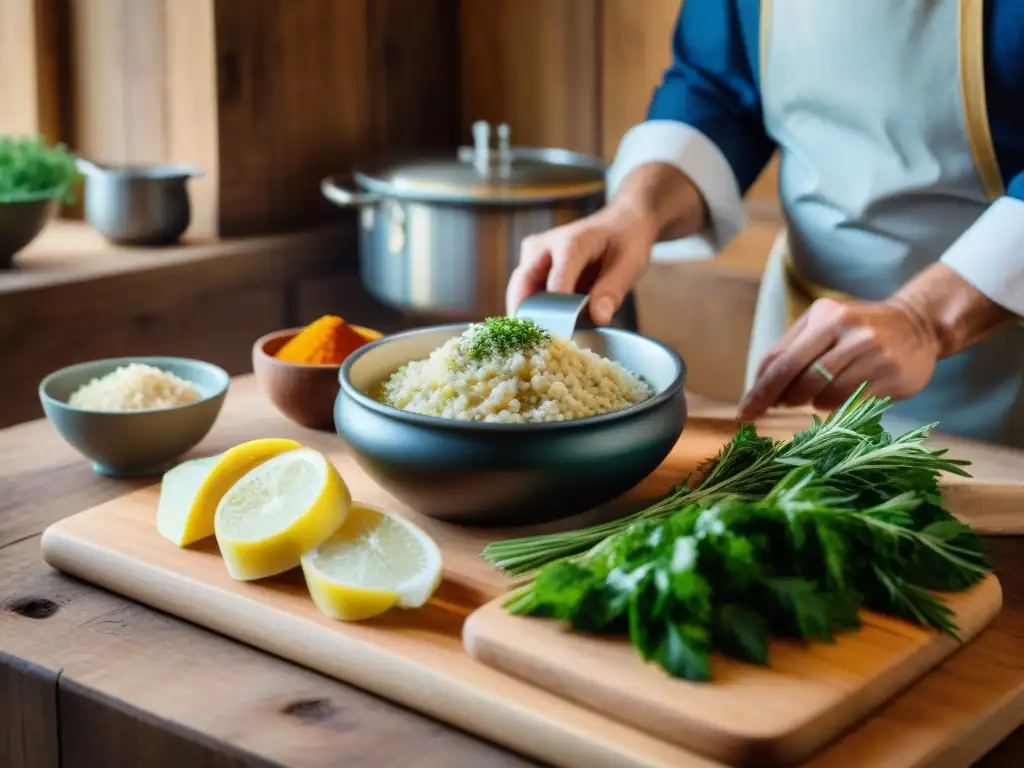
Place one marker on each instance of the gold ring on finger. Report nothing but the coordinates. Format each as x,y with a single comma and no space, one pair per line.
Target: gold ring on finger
822,371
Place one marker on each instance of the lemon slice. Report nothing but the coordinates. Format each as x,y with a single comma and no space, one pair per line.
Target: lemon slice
282,508
377,560
191,491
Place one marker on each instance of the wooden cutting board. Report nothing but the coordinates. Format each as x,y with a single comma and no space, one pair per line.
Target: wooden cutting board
749,716
417,658
992,508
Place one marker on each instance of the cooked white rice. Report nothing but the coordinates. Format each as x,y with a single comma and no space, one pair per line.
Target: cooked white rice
134,387
552,381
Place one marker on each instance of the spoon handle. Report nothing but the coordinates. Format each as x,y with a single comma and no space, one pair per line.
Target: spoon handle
557,313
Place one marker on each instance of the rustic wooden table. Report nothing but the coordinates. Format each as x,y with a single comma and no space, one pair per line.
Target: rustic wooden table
92,680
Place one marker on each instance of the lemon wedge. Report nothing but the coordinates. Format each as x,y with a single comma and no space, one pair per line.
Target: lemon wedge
191,491
377,560
282,508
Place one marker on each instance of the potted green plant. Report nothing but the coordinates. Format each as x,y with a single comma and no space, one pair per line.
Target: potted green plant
34,180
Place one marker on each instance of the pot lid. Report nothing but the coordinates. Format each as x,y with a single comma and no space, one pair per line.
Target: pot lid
508,175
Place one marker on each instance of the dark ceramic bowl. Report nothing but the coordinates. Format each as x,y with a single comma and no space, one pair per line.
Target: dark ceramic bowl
134,443
303,393
20,224
479,472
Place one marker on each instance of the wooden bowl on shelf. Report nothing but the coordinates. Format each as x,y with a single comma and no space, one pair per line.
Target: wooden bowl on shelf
303,393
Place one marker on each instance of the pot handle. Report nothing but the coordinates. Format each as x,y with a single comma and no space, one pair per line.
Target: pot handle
332,189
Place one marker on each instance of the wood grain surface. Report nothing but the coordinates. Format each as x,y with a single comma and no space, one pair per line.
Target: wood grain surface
636,51
573,73
816,691
129,670
267,97
32,62
308,88
417,658
534,64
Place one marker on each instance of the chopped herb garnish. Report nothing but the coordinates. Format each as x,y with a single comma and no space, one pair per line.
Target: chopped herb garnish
501,337
779,538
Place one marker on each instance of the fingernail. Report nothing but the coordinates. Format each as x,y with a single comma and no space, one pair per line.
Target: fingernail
604,308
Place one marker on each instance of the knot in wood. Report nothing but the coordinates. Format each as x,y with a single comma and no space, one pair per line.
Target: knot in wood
33,607
310,710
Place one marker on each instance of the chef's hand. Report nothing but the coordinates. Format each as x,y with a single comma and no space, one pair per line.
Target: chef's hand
852,342
603,254
894,345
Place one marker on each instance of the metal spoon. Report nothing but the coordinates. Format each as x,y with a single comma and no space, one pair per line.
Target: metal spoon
557,313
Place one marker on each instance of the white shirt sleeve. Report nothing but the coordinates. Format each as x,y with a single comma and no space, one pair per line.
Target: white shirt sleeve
990,254
682,145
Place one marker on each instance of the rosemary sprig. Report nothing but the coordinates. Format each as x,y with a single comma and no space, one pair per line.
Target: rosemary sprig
850,448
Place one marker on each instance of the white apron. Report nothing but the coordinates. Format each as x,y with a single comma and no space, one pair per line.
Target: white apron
878,107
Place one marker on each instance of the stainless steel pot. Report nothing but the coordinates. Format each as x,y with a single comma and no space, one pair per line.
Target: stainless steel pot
441,234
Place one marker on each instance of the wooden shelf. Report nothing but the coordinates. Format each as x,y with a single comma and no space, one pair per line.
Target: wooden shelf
73,297
71,251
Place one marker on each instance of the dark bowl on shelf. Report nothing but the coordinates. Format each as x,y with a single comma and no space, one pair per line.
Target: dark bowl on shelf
490,473
20,224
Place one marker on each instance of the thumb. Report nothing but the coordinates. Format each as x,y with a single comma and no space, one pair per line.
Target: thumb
612,285
528,278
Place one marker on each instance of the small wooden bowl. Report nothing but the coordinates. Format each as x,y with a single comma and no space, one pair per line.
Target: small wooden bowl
303,393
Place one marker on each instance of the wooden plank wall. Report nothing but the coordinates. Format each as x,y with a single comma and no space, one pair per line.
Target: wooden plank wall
536,65
32,63
267,96
309,87
571,73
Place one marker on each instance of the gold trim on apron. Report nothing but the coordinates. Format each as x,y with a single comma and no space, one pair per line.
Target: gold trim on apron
972,89
764,28
801,292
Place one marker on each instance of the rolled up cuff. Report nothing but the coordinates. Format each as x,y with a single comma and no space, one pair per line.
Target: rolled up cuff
990,254
692,152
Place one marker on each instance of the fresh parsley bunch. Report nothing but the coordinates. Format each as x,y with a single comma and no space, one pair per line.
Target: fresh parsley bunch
30,171
729,572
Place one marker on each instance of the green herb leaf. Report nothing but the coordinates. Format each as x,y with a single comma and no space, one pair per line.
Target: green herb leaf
742,633
911,602
777,538
31,171
684,652
501,337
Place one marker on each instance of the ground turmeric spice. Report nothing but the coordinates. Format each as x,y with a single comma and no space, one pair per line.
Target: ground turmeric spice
327,341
